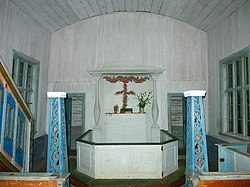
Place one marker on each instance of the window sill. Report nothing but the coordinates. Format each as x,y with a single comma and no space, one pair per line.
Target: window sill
237,137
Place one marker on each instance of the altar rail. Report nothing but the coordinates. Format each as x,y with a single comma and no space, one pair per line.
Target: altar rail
234,157
15,122
123,160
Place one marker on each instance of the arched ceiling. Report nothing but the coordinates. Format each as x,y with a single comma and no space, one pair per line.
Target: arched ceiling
57,14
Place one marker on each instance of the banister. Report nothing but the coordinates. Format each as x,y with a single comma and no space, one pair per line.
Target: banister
16,93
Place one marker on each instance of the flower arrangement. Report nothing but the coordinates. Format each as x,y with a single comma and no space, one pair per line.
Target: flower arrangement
144,98
116,108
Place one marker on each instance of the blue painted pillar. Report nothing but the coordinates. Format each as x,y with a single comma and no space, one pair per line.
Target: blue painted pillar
196,144
57,160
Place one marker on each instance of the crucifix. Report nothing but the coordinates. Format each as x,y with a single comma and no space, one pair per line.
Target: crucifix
125,80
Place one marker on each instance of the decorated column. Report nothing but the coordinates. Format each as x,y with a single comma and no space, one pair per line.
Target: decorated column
97,131
155,129
196,146
57,160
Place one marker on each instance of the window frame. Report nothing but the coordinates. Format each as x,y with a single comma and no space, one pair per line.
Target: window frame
17,57
225,89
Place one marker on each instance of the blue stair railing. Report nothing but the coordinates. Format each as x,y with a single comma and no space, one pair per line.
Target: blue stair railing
16,121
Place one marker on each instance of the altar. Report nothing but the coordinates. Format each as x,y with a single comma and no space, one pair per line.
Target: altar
126,140
126,128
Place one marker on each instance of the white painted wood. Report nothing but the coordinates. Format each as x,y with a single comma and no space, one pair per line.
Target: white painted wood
156,6
223,14
116,5
121,5
189,8
129,38
67,10
77,8
110,6
102,6
58,10
147,5
125,128
199,6
230,35
56,94
134,5
116,161
95,6
87,8
178,10
28,8
44,13
167,6
194,93
170,158
27,147
54,14
52,11
128,161
208,9
128,7
21,32
85,159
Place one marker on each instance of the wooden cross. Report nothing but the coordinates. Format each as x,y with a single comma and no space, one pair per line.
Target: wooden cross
125,80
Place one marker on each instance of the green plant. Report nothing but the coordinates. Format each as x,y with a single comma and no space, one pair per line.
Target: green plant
144,98
116,108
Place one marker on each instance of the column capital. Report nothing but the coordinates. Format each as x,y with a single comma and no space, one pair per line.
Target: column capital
56,94
194,93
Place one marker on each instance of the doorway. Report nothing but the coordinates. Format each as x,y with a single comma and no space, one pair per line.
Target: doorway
75,119
176,116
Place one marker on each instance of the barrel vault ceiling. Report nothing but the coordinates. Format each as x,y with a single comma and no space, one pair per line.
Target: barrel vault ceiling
57,14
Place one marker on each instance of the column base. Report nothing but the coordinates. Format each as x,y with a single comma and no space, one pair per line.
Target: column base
155,133
97,134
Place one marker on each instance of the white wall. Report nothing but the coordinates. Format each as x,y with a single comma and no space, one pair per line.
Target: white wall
230,35
20,32
142,38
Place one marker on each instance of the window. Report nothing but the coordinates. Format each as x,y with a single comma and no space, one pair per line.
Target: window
25,73
235,105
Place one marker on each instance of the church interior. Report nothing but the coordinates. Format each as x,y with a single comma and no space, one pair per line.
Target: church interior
124,93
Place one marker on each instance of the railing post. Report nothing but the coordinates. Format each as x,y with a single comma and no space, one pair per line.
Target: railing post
57,160
196,146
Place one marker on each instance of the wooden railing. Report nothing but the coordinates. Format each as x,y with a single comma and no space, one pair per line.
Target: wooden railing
15,122
234,157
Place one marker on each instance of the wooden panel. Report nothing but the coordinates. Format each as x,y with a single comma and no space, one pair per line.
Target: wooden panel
227,37
19,183
124,38
67,10
78,9
224,183
55,14
22,33
155,6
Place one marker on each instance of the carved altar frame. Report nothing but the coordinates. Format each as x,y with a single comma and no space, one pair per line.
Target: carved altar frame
137,74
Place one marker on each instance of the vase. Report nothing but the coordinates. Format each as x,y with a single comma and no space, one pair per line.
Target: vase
141,110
